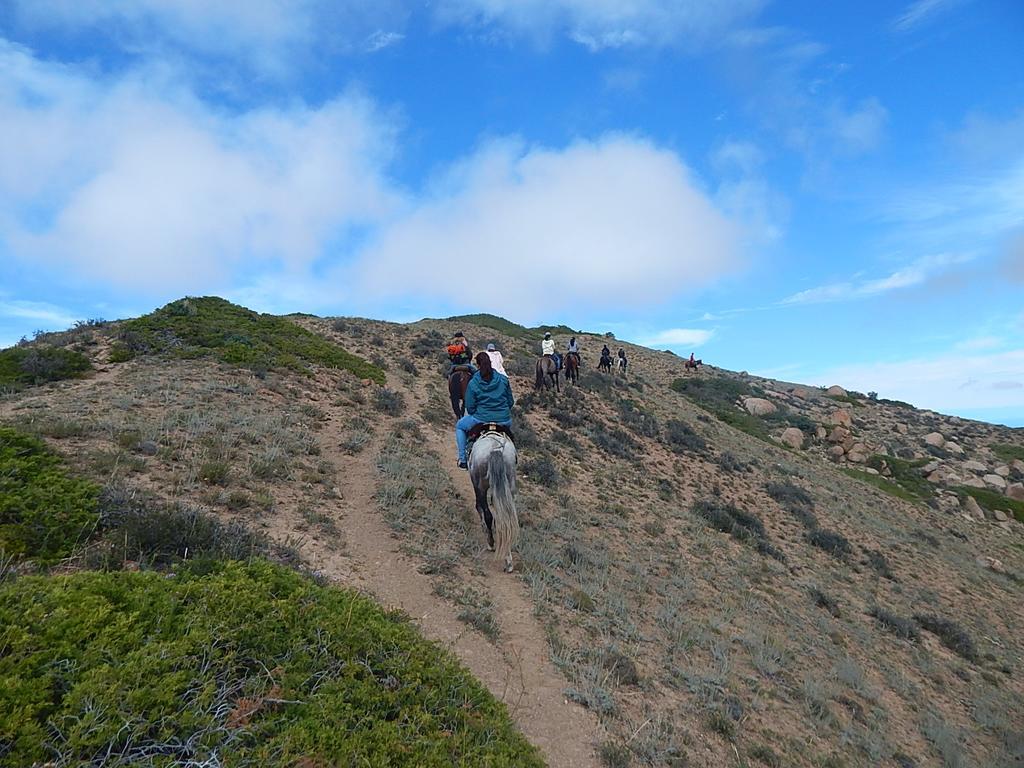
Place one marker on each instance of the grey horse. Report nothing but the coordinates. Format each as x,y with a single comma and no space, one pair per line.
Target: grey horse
492,468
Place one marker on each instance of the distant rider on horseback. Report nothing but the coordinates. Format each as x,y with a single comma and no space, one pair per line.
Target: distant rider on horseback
572,348
459,353
547,348
497,361
488,401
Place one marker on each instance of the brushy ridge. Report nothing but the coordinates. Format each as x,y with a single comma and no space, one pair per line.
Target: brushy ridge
197,327
248,664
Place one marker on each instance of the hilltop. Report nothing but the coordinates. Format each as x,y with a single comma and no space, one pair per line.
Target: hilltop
716,568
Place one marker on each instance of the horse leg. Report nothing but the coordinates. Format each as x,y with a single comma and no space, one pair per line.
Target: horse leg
486,519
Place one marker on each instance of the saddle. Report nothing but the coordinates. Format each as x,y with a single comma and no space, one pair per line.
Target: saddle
460,367
483,429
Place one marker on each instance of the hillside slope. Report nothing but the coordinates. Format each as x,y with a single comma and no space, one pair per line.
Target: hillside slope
691,590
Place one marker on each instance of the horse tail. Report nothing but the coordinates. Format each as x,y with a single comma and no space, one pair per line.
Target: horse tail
539,383
501,478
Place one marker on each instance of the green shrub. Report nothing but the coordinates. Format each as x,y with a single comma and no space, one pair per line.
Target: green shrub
718,395
44,512
244,665
1008,452
198,327
541,470
992,500
24,366
738,523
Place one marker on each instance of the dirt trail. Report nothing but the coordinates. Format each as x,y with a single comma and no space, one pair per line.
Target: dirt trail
516,669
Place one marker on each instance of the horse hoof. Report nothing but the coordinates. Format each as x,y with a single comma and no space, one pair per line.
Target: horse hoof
508,568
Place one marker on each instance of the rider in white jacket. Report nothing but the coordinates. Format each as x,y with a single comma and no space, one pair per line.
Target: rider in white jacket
547,347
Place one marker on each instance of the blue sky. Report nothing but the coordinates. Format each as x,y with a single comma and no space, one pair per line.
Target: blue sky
822,192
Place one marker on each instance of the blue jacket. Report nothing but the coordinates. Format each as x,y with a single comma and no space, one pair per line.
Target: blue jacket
490,400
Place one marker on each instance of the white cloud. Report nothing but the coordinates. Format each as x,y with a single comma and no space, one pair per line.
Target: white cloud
268,35
913,274
599,24
136,182
942,383
678,337
979,344
380,40
616,222
47,314
920,12
859,129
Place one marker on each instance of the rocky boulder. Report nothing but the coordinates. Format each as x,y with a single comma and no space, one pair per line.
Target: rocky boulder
836,391
841,418
974,482
975,466
859,454
972,508
839,435
1003,471
758,406
793,437
1015,491
954,448
935,439
995,481
836,453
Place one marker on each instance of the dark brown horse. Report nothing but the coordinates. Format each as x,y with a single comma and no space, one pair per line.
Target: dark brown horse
692,365
458,380
572,368
547,373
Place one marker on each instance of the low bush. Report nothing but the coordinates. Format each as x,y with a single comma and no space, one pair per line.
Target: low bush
951,634
389,402
740,524
898,625
834,543
681,437
28,365
637,420
825,601
788,494
1008,452
540,470
247,664
44,512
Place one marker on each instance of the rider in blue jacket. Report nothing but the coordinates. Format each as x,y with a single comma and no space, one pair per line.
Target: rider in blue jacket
488,400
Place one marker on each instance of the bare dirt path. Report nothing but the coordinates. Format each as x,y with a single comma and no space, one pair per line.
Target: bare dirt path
516,668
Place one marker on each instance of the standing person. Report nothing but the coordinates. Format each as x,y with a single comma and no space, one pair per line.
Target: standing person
547,347
497,361
459,352
488,400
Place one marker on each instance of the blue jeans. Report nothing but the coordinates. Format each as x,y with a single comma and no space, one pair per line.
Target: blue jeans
462,428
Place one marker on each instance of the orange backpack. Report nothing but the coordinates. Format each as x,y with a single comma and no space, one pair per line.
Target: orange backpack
456,348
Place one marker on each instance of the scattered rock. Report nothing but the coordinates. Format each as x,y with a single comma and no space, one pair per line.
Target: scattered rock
793,437
1002,471
1015,491
930,467
993,564
954,448
836,453
838,435
758,406
1017,466
902,428
995,481
972,508
859,454
974,482
836,391
821,433
1000,516
870,470
841,418
935,438
975,466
